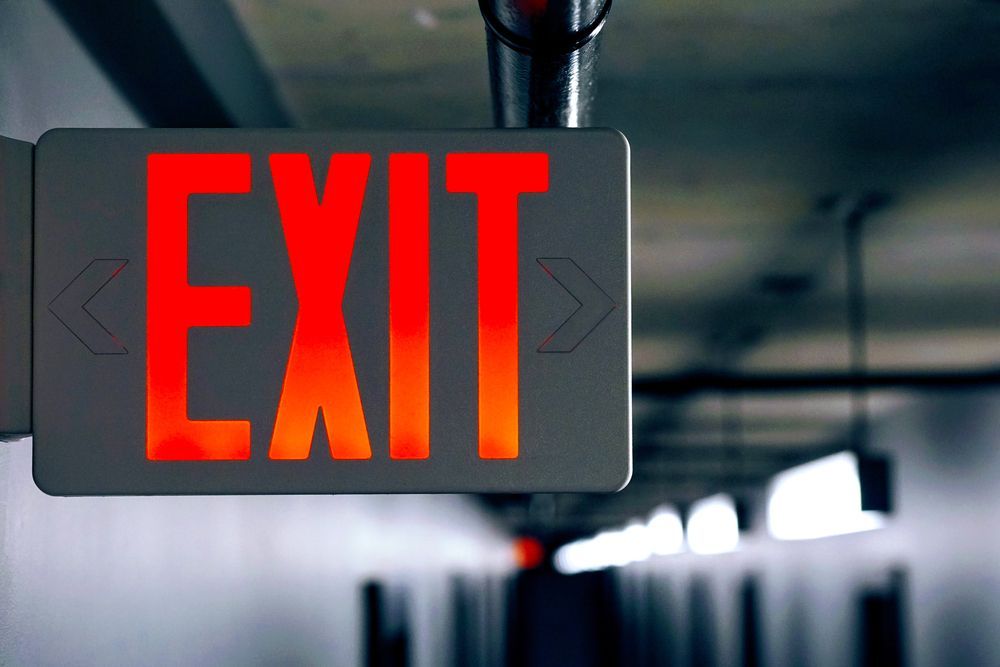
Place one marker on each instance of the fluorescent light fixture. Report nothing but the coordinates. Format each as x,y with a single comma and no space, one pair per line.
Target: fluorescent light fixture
574,557
712,526
610,548
596,553
636,542
819,499
665,531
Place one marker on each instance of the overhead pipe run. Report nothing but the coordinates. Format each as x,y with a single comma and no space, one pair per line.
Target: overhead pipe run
543,60
673,386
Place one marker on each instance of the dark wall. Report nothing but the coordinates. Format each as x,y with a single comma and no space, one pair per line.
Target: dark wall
556,620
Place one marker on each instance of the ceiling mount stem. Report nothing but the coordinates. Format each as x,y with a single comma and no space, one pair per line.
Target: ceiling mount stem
857,329
543,60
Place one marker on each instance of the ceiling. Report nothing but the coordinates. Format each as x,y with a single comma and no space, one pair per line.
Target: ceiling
757,129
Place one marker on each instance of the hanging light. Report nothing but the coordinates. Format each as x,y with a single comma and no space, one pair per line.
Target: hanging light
833,495
609,548
713,526
846,492
636,542
665,531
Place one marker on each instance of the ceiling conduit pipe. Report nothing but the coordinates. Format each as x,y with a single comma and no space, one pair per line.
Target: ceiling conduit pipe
543,60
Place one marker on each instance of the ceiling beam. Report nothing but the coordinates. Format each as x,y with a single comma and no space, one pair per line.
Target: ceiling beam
676,386
185,63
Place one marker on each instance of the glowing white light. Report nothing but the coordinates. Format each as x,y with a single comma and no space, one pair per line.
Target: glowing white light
712,526
819,499
587,555
572,558
636,542
665,531
610,548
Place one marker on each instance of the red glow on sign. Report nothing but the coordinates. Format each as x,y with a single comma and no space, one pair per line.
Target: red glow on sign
320,233
320,373
498,179
409,307
174,307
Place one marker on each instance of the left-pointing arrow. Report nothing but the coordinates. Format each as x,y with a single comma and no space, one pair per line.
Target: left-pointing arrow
70,306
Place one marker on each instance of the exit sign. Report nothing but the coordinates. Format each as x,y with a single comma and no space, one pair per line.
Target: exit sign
271,311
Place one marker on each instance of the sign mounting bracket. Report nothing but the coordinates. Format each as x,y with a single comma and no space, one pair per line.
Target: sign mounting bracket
16,226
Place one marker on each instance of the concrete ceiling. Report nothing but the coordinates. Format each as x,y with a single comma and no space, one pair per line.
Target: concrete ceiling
755,127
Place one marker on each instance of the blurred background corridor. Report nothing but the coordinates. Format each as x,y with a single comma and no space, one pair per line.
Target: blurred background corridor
816,354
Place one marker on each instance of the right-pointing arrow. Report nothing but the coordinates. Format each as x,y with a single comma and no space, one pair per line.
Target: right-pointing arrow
595,304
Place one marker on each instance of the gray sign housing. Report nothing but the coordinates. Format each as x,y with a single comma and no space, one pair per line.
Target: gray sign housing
90,356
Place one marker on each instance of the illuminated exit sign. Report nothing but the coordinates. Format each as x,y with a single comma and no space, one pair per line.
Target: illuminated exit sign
296,312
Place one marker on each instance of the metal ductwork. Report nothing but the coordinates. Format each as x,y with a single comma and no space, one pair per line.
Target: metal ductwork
543,60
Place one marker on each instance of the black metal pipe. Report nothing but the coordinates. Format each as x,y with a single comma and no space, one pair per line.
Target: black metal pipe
543,60
681,385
